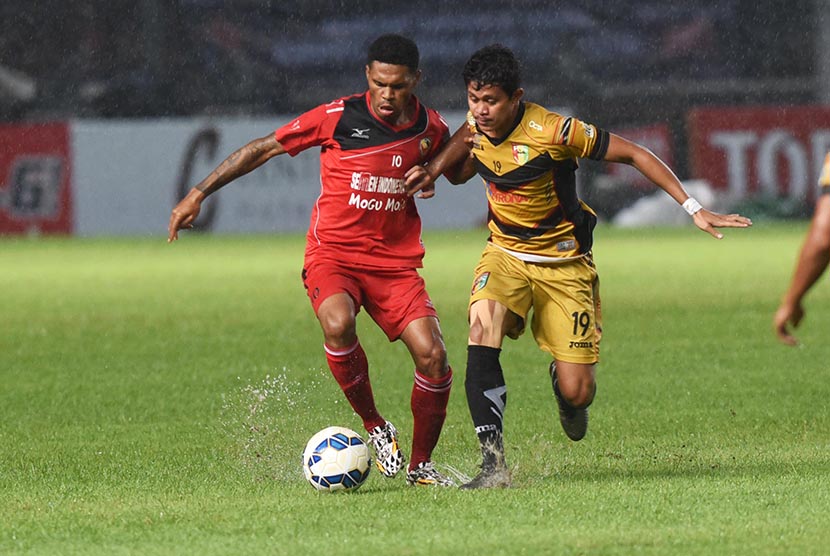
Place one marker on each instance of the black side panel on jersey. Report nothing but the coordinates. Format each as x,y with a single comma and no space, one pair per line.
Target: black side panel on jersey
564,182
358,129
525,173
549,222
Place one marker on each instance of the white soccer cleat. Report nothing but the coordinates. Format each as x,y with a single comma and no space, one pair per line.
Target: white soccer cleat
425,474
388,456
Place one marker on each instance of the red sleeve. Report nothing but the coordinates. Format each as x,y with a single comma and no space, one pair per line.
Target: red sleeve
442,130
310,129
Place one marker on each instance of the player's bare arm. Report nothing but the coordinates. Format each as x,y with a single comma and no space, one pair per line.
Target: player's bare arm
453,161
244,160
812,262
626,152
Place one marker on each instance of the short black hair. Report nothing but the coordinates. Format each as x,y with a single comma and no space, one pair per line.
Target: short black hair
493,65
394,49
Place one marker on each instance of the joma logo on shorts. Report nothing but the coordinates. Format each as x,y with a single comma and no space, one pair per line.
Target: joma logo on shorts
581,345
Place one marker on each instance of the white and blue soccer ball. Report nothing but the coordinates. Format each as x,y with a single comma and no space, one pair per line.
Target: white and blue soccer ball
336,458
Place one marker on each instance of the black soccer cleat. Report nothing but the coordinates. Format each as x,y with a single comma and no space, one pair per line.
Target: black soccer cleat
490,476
494,472
574,420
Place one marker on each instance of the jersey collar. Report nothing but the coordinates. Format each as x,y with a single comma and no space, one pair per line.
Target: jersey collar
412,121
519,115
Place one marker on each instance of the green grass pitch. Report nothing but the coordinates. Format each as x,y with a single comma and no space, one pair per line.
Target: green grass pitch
155,399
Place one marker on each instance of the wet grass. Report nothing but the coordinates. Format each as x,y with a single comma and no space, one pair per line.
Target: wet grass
155,399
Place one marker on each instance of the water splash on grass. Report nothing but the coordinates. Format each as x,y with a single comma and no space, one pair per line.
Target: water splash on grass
267,423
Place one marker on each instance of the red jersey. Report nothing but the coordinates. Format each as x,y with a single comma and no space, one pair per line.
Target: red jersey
363,216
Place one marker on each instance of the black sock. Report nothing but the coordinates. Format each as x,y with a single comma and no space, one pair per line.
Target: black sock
487,399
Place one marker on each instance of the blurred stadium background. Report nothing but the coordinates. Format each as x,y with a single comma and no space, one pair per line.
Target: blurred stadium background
122,105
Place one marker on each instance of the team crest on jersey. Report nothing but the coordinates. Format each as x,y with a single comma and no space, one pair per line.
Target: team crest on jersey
424,145
480,282
521,153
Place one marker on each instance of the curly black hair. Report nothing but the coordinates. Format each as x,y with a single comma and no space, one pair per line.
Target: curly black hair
493,65
394,49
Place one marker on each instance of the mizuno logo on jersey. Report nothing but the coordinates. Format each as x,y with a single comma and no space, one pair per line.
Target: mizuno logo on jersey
360,133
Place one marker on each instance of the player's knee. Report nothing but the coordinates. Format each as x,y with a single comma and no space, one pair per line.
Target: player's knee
339,329
433,361
578,393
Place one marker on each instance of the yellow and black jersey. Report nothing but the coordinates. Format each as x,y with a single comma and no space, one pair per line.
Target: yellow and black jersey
824,177
530,179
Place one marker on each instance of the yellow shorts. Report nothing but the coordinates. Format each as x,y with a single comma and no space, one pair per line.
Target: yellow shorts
564,296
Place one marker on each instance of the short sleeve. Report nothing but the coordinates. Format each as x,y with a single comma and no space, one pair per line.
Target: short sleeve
311,129
581,139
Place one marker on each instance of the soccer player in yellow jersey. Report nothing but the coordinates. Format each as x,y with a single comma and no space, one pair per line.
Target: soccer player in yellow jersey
812,262
539,251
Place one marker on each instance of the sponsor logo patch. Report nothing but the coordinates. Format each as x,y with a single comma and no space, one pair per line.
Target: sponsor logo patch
567,245
589,130
480,282
424,145
360,133
577,345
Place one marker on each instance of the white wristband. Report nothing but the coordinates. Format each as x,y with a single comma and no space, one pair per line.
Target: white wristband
691,206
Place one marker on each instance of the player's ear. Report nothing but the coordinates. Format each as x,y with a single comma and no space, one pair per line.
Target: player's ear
517,95
417,77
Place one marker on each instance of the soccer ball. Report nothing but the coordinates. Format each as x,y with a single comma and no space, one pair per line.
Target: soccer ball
336,458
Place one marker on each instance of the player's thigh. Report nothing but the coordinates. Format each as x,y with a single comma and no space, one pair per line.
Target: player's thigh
500,297
324,279
490,322
396,298
563,321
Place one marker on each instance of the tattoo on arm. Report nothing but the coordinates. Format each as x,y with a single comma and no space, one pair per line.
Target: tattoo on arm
239,163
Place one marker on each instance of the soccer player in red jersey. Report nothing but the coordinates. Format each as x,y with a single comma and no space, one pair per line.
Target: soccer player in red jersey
363,246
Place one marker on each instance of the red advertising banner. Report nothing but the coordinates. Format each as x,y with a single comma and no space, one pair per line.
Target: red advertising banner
657,138
35,174
760,151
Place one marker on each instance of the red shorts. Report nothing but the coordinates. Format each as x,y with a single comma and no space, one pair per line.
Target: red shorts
392,297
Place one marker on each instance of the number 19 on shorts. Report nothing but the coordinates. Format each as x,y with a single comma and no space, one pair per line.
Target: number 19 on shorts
582,320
